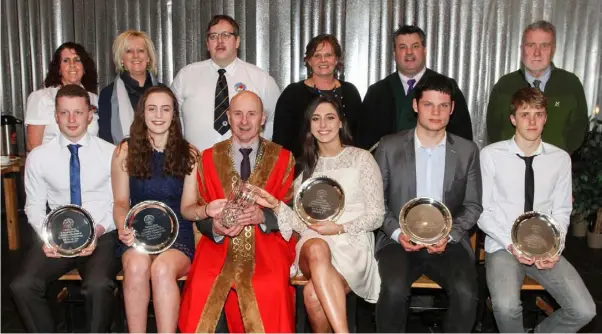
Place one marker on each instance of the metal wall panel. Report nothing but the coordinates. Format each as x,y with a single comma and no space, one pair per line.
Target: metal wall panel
473,41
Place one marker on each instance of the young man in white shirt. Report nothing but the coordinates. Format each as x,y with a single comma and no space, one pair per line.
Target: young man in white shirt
509,191
72,168
204,89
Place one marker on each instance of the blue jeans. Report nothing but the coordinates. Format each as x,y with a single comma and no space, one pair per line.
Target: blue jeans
505,276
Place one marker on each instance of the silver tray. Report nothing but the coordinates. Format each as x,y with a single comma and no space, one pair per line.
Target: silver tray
319,199
534,235
155,226
69,229
425,220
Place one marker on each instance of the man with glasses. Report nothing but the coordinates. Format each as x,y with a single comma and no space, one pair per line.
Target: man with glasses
204,89
566,107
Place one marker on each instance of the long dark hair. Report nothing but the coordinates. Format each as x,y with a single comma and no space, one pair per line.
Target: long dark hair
90,77
180,156
309,157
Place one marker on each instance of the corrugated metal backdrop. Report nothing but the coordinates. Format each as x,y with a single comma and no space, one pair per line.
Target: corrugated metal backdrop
473,41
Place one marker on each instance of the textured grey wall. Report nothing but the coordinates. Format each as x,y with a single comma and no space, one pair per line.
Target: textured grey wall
473,41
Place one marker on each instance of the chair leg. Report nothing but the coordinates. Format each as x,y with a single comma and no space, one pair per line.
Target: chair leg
301,320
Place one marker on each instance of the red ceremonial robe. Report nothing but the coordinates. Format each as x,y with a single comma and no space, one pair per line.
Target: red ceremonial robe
247,275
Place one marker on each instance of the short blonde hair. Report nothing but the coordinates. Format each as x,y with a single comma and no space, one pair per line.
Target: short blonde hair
120,46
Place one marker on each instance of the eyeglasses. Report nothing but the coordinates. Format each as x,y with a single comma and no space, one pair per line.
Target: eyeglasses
541,46
225,35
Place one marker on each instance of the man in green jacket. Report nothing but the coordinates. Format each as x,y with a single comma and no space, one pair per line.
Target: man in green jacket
567,108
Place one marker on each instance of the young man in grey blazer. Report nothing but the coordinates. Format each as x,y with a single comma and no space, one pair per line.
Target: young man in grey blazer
427,161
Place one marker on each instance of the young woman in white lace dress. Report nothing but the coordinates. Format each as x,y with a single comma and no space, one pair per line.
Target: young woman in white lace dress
338,256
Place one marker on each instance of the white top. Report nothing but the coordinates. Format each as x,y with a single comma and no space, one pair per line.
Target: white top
47,179
353,251
194,87
503,175
404,79
40,111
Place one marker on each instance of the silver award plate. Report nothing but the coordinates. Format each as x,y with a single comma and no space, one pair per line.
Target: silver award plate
241,197
69,229
425,220
319,199
534,235
155,226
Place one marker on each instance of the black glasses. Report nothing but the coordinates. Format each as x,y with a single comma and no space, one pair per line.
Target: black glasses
225,35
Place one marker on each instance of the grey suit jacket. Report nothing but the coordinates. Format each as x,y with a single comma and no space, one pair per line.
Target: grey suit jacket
462,187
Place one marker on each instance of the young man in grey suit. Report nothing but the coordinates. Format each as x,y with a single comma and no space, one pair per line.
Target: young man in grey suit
427,161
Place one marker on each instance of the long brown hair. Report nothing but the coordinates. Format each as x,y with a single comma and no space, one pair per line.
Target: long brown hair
180,156
309,158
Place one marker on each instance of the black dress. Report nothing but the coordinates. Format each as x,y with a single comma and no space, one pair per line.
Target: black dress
293,102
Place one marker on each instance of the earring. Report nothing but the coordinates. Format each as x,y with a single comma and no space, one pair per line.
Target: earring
148,67
123,67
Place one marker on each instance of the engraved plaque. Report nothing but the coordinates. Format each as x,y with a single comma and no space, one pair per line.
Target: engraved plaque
425,220
241,197
534,235
69,229
319,199
155,226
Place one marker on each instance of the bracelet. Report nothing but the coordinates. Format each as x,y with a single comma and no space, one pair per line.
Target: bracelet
343,230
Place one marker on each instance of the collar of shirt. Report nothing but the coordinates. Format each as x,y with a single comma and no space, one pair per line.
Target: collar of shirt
514,149
237,154
84,141
543,78
417,77
236,146
418,144
229,69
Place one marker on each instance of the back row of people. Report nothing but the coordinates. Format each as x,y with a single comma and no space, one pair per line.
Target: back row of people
385,109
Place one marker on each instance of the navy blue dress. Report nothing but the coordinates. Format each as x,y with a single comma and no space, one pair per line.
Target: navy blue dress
166,189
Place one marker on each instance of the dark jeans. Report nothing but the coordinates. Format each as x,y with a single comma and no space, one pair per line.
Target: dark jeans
98,283
454,270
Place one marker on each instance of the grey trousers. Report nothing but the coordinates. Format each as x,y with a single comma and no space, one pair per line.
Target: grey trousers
505,276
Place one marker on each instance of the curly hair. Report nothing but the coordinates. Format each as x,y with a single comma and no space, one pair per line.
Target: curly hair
90,77
180,156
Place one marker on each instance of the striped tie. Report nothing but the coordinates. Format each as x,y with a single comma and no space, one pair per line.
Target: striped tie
220,121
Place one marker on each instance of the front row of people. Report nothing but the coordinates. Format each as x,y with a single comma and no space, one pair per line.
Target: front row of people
239,275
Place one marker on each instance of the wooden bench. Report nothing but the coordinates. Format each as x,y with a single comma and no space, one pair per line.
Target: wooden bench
74,275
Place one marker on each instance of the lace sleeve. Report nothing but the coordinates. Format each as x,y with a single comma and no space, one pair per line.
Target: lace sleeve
288,221
372,190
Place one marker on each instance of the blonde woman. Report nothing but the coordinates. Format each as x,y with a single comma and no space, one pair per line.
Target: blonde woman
135,62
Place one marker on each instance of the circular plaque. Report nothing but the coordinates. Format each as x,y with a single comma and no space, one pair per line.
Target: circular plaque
425,220
69,229
155,226
534,235
319,199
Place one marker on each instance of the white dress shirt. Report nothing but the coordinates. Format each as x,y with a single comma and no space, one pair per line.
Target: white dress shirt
503,175
47,179
430,172
404,79
41,107
194,87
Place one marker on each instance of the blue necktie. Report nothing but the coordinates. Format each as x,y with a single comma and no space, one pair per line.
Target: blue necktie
411,83
74,182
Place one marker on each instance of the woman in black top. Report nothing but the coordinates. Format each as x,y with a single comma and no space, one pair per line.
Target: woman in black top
323,59
135,61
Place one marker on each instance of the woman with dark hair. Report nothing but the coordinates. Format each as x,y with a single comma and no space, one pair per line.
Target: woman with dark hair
336,257
135,62
151,165
324,63
70,64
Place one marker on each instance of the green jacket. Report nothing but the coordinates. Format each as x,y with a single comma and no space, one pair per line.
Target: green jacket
567,109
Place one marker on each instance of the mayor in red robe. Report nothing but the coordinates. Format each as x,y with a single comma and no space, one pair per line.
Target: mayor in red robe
245,273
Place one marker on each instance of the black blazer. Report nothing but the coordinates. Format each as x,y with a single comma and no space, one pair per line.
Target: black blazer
379,117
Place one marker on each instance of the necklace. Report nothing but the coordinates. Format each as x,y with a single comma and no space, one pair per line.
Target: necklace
332,93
